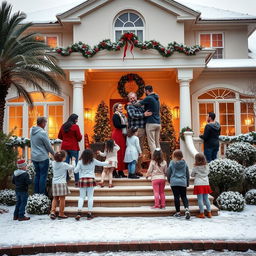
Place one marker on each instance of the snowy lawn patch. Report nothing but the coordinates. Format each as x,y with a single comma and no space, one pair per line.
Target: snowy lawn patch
41,229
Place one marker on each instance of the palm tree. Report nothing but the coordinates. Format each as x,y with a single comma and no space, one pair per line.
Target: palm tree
24,61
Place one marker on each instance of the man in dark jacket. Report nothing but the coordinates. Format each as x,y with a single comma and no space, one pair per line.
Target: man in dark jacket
211,138
151,104
21,180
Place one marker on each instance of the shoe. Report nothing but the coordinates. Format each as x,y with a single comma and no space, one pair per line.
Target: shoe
187,214
24,218
155,207
110,186
115,175
208,214
76,184
139,174
121,174
78,216
62,217
89,216
101,184
133,176
15,218
162,207
52,216
177,215
200,215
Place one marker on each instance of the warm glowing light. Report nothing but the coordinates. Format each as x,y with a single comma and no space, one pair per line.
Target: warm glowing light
248,121
88,115
176,112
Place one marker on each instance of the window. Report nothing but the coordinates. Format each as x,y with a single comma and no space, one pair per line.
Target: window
129,22
50,40
51,106
247,117
204,109
213,40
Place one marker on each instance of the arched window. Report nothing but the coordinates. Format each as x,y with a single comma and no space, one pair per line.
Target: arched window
21,117
234,111
129,22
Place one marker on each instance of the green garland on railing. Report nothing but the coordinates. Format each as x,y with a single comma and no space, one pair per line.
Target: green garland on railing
126,40
185,129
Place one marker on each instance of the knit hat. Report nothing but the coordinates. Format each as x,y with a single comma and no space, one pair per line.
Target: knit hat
21,163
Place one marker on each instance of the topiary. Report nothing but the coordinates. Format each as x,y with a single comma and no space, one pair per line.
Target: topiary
242,152
231,201
38,204
250,175
225,174
250,197
7,197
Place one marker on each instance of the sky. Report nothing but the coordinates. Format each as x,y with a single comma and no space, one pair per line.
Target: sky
243,6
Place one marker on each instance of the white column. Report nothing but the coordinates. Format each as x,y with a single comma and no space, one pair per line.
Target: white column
77,79
184,78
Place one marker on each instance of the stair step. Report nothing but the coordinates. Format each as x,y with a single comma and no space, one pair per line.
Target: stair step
127,201
143,211
126,190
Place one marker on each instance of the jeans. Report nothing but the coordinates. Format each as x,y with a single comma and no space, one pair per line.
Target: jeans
70,154
158,188
211,153
22,198
132,167
203,198
41,169
178,192
83,192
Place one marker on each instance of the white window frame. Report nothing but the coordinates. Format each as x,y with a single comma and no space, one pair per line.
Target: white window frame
211,33
128,28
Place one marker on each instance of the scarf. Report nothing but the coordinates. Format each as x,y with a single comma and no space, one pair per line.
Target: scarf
123,121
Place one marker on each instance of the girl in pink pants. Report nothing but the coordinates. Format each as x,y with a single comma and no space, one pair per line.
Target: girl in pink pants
157,171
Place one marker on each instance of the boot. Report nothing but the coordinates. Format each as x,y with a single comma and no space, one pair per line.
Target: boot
138,173
78,216
200,215
89,216
24,218
133,176
121,174
208,214
115,175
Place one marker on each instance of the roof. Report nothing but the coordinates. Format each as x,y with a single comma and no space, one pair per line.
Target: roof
48,15
231,63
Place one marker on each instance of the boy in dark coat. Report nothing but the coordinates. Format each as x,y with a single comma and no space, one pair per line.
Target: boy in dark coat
21,180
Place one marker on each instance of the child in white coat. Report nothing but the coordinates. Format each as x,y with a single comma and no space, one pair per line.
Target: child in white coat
132,152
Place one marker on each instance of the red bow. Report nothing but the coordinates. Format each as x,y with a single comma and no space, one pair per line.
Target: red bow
128,38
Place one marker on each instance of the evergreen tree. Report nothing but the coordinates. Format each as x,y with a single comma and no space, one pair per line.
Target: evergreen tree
167,130
102,130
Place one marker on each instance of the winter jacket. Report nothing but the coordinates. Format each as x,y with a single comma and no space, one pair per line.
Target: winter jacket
21,180
40,144
88,170
201,175
71,138
60,172
157,172
132,149
211,135
152,104
178,173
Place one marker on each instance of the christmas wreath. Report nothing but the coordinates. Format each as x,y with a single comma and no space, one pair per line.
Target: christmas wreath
128,78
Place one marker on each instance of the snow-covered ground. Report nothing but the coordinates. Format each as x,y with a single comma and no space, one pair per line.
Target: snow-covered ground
40,229
154,253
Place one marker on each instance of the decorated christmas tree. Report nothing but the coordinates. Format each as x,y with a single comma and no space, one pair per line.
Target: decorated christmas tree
167,130
102,130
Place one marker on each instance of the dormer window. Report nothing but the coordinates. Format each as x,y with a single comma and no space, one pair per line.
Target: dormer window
50,40
129,22
213,40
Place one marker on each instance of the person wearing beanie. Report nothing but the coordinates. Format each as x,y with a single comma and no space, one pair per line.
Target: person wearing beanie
21,180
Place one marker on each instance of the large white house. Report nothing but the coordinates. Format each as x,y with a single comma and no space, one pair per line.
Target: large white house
218,78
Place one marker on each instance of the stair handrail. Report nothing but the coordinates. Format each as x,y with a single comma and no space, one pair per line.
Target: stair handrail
190,143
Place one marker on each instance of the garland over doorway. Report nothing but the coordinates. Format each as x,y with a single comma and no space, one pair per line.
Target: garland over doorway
126,40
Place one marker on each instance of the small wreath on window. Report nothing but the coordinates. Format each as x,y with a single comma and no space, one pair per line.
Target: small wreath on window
128,78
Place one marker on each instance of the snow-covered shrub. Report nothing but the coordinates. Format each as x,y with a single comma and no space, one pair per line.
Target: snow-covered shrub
247,137
242,152
7,197
225,174
231,201
250,175
38,204
250,197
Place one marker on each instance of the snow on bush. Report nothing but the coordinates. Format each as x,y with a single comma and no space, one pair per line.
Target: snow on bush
248,137
225,173
231,201
250,197
250,175
242,152
38,204
7,197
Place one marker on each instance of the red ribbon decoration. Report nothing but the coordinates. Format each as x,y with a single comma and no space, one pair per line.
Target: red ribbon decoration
128,38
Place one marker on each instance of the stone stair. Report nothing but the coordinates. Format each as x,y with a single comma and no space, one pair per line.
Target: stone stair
130,197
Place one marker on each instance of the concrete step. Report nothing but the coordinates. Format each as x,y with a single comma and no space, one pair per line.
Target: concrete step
127,201
128,182
126,190
144,211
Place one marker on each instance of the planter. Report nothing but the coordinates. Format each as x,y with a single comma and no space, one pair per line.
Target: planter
95,147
